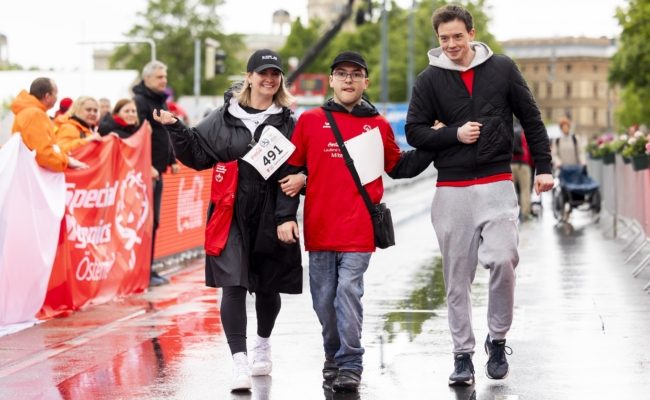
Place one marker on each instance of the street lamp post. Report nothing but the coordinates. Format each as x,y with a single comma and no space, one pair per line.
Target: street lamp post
410,78
384,55
197,77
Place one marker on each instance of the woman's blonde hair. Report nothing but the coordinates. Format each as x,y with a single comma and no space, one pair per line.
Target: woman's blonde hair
77,104
281,98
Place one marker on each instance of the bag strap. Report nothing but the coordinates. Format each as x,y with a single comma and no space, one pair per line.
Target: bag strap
349,162
575,147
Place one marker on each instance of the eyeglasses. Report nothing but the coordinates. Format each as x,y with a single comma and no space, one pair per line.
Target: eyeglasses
357,76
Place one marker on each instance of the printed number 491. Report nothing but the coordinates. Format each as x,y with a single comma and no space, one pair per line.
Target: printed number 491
271,155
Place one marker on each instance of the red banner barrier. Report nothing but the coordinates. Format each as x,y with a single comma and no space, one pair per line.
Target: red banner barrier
105,241
183,212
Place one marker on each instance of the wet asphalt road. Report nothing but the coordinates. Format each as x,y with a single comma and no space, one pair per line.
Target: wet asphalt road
581,329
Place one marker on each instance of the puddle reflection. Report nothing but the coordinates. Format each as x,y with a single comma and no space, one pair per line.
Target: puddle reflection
152,363
261,387
330,395
464,393
428,295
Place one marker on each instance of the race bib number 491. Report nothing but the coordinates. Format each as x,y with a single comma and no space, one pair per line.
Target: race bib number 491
272,150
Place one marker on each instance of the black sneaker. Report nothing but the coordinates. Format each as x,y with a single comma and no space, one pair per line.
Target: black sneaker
497,365
463,374
347,381
330,370
157,280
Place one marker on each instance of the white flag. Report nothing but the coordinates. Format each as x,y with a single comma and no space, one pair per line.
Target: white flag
32,202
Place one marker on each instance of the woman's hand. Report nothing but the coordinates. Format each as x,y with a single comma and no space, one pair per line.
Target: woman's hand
95,137
73,163
292,184
288,232
164,117
154,174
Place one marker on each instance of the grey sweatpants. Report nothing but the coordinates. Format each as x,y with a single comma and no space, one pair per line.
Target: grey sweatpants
477,225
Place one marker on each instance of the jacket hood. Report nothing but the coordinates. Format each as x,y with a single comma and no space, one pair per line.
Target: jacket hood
78,124
25,100
230,92
438,58
364,109
60,119
143,90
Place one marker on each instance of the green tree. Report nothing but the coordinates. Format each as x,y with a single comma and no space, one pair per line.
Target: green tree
12,67
300,40
631,64
174,25
366,40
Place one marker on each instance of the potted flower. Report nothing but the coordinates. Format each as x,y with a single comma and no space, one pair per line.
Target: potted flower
603,148
592,150
637,150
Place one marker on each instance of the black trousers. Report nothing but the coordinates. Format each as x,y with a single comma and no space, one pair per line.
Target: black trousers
233,315
157,201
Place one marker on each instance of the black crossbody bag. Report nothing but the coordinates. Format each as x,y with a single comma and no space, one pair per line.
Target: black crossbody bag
382,222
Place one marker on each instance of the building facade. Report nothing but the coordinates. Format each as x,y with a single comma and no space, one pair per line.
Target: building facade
568,77
325,10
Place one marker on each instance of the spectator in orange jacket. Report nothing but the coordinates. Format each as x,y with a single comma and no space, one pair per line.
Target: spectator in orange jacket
79,127
36,128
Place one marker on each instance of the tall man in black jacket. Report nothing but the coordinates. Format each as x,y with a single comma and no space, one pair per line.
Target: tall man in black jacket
474,210
149,95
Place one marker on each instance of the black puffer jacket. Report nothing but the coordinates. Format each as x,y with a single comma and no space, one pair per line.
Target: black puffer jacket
253,257
499,90
146,100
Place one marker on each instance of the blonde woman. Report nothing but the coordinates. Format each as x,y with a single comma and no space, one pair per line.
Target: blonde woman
78,126
253,259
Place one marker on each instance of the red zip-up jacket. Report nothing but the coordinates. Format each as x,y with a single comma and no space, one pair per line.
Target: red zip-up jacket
335,216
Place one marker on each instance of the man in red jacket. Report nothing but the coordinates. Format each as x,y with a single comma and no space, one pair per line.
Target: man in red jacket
337,225
521,166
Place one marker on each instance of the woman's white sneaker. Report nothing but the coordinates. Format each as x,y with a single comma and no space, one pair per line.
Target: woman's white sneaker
262,364
241,373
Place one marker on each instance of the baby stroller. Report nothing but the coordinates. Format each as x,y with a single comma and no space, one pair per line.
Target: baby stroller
574,189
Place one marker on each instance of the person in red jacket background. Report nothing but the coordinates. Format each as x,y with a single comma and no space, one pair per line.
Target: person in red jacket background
522,165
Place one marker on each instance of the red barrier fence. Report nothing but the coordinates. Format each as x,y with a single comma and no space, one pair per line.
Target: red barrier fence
183,212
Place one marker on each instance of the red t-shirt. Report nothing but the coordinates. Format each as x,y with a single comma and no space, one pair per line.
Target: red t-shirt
335,216
468,80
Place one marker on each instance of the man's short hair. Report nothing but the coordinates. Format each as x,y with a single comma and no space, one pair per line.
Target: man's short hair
449,13
151,67
564,121
40,87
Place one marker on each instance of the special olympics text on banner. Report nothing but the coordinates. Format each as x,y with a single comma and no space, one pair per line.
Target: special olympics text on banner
105,244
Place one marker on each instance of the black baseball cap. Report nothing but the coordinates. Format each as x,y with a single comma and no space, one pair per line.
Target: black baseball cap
351,57
263,59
